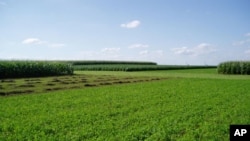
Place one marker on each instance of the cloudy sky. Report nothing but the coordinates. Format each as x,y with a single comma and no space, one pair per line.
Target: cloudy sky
195,32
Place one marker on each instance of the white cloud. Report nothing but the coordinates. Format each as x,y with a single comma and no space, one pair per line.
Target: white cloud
131,24
87,55
37,41
32,41
239,43
109,53
111,50
247,51
243,42
202,48
138,46
151,54
247,34
182,51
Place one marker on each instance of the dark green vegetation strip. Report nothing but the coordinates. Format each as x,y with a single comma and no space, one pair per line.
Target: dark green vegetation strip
180,108
96,62
17,69
234,67
128,67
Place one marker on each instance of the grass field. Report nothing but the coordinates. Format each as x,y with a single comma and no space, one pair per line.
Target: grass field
189,105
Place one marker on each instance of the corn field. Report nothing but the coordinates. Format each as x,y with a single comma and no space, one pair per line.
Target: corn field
122,67
234,67
18,69
102,62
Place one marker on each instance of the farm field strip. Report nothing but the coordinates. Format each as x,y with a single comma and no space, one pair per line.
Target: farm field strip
196,104
45,84
175,109
134,67
102,62
210,73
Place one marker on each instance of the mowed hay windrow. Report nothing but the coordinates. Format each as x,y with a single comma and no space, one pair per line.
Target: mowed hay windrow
48,84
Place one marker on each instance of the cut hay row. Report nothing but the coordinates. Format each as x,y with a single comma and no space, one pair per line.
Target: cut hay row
47,84
18,69
234,67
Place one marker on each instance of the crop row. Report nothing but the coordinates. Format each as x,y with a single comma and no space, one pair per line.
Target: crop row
134,67
17,69
96,62
234,67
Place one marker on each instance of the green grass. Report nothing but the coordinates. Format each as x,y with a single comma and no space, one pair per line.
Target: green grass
210,73
190,105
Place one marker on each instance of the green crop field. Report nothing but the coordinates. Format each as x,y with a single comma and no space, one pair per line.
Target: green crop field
134,67
197,104
234,67
21,69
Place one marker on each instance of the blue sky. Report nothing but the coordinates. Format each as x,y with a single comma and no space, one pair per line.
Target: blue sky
194,32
